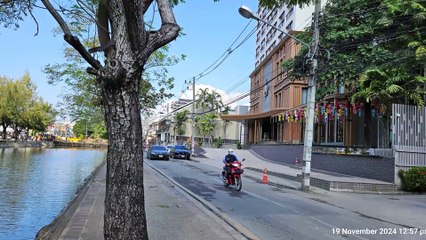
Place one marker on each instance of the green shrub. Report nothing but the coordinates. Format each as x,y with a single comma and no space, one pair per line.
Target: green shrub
414,179
239,145
218,142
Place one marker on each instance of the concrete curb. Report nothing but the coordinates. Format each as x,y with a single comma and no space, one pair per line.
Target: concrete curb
233,227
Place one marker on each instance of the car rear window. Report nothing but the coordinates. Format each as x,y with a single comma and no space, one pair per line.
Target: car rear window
180,147
158,148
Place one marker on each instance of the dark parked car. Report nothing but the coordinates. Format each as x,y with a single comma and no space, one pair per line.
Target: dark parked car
180,151
157,152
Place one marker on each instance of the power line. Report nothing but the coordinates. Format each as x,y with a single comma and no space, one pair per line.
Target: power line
222,58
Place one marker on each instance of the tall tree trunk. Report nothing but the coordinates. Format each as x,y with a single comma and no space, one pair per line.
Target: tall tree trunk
4,131
127,46
16,133
124,201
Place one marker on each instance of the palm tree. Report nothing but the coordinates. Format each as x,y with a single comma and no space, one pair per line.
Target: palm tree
180,119
225,123
207,103
389,86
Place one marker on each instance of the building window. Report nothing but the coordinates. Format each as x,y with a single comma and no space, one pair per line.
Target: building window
290,13
280,103
290,26
304,95
282,15
277,100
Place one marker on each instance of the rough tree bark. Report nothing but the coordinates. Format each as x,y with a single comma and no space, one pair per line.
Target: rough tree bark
127,47
124,202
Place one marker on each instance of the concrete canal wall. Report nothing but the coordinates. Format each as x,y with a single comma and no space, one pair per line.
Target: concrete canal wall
24,144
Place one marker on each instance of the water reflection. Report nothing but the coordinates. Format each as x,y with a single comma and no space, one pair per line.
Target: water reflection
37,183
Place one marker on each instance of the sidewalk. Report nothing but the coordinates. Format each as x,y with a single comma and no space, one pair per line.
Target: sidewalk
290,176
171,214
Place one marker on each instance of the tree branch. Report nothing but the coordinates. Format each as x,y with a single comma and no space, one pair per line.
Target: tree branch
36,22
147,4
69,38
169,28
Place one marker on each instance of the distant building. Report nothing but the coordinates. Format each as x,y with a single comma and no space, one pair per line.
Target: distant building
161,128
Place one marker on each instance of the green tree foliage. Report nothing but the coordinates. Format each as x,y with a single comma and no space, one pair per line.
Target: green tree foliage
208,101
376,50
180,119
205,124
12,12
225,111
5,101
99,130
21,108
208,104
82,99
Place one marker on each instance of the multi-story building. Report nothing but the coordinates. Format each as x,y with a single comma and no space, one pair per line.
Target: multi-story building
287,18
272,93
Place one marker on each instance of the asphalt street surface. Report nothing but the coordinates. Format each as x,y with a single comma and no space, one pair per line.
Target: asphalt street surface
277,213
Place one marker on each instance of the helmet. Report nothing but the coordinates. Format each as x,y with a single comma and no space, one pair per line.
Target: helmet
230,151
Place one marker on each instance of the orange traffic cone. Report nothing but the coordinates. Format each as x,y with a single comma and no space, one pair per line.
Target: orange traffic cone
265,176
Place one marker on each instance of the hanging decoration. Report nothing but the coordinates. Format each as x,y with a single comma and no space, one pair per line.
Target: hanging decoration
328,111
340,111
292,116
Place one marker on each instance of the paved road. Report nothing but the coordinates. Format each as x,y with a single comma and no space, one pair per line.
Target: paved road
278,213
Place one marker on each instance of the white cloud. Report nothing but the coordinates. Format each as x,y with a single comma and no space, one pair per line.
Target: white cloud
226,97
161,110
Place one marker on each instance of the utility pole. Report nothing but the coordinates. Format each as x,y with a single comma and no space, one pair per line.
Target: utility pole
192,118
309,128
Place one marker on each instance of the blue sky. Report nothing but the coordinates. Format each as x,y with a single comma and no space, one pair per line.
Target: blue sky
210,28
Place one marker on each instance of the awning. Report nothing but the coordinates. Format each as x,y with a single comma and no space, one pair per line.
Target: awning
241,117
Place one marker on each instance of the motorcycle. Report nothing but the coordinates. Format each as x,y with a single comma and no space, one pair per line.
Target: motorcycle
234,178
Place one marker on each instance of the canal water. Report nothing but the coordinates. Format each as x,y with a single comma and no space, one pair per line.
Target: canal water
37,183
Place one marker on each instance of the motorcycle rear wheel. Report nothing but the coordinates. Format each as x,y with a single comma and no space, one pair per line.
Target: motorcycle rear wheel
238,183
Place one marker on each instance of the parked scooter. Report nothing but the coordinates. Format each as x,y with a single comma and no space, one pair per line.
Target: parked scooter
234,178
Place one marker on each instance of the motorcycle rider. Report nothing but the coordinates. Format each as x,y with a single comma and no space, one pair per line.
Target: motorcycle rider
228,160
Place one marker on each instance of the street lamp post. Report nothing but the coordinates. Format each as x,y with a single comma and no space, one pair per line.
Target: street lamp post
307,147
